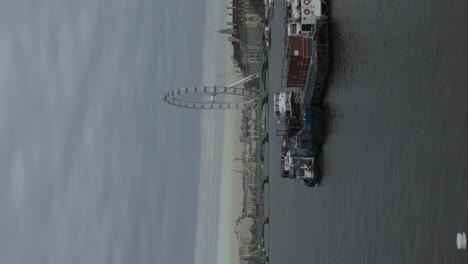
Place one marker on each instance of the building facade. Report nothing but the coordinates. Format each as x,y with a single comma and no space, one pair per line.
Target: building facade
246,35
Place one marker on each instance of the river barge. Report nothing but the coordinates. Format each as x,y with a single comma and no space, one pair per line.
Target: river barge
305,73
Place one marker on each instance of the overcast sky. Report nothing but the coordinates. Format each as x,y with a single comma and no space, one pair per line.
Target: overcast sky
94,168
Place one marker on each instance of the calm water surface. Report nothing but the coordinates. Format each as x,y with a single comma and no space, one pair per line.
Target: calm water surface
395,188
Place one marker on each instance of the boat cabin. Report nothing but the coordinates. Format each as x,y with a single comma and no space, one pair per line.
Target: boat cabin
297,167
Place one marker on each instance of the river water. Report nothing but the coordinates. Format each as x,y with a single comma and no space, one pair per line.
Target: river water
395,187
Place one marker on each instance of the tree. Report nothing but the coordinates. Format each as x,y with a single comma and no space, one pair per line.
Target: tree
256,6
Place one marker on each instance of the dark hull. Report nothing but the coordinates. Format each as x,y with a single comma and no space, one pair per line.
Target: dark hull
316,85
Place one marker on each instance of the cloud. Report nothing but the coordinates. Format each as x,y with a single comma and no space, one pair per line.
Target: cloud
212,137
209,187
95,169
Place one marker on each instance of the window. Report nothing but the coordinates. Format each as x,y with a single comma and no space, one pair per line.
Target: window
293,29
307,28
301,172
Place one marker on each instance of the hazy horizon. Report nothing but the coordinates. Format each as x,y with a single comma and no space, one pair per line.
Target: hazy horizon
215,218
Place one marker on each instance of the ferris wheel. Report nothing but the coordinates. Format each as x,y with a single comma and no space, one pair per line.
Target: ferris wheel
214,97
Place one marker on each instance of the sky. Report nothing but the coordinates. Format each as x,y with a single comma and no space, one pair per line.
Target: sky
94,167
220,189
